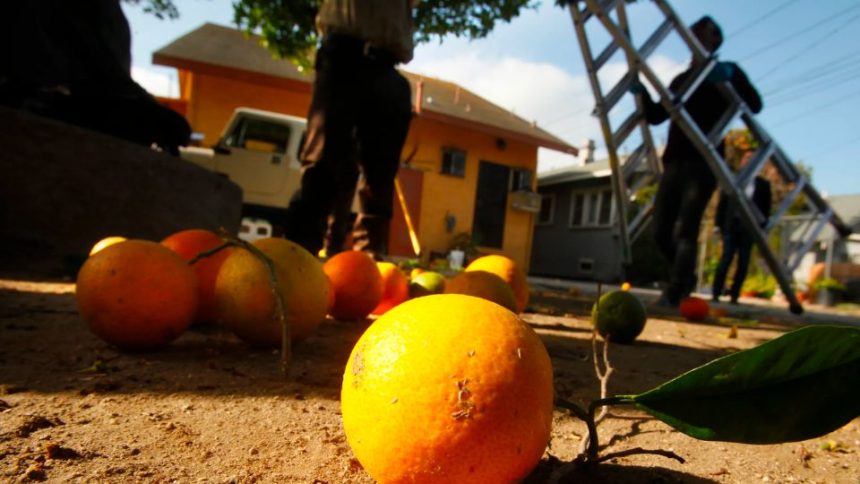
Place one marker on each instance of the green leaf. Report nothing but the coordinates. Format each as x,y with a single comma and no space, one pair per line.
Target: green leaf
801,385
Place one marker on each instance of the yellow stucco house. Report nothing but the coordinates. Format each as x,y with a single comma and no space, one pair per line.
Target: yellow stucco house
469,165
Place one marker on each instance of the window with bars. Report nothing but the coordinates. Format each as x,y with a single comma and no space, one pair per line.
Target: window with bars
591,208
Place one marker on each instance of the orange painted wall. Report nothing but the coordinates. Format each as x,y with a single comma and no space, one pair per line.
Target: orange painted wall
444,194
211,101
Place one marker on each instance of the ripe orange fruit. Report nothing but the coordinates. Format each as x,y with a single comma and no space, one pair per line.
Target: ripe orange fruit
189,243
136,294
395,287
619,315
450,389
484,285
426,283
245,302
508,270
694,309
625,286
356,282
106,242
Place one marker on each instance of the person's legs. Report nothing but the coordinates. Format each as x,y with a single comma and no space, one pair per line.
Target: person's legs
381,132
328,156
729,249
744,245
666,209
697,190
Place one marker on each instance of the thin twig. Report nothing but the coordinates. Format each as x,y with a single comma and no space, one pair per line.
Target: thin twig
638,450
279,313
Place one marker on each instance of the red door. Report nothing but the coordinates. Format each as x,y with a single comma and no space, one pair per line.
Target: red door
411,181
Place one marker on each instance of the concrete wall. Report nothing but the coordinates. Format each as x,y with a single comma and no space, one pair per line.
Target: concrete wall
64,188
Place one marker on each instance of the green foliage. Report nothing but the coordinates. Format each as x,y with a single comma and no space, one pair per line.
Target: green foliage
761,283
828,283
160,8
288,29
465,242
795,387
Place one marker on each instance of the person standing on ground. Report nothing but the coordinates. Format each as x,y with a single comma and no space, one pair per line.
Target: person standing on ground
687,182
736,239
357,124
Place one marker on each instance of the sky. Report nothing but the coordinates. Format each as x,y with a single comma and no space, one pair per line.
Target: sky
802,55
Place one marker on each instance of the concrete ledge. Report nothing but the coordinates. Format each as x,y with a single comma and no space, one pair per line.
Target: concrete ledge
62,188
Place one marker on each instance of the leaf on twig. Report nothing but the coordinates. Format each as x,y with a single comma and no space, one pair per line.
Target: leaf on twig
795,387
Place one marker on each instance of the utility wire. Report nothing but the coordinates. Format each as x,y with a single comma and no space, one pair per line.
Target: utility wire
809,47
824,85
757,21
794,35
815,73
802,115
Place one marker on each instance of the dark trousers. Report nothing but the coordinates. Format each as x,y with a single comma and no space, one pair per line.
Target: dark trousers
682,196
357,124
738,242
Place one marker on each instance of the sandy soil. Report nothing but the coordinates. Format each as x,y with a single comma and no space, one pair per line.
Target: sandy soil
210,409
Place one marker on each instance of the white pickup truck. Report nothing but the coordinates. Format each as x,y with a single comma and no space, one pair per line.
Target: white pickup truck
258,150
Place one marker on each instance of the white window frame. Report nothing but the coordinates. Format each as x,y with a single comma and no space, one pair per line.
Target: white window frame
591,196
552,200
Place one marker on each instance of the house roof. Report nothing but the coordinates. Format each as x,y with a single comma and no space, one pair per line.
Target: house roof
219,50
593,170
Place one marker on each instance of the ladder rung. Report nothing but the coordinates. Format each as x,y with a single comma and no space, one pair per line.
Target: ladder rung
716,133
626,128
819,226
754,166
586,12
635,227
693,84
617,92
786,203
607,54
640,183
656,38
633,161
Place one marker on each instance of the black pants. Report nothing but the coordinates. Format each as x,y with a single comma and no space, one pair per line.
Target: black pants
735,241
357,124
680,202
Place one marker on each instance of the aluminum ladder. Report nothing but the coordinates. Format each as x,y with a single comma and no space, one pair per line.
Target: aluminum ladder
642,167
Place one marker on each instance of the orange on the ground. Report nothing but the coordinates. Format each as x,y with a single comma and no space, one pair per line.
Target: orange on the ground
395,287
482,284
356,282
189,243
137,294
507,269
694,309
106,242
244,297
448,389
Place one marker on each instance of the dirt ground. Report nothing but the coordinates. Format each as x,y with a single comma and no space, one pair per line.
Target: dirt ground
210,409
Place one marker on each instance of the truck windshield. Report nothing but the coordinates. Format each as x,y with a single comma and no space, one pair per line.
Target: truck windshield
259,135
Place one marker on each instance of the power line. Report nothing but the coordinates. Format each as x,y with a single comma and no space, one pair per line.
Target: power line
820,86
809,47
815,73
802,114
800,32
770,13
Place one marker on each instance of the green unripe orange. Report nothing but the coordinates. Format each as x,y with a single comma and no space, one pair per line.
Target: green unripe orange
620,316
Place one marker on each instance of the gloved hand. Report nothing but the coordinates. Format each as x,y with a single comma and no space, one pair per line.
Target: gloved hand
638,88
723,71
